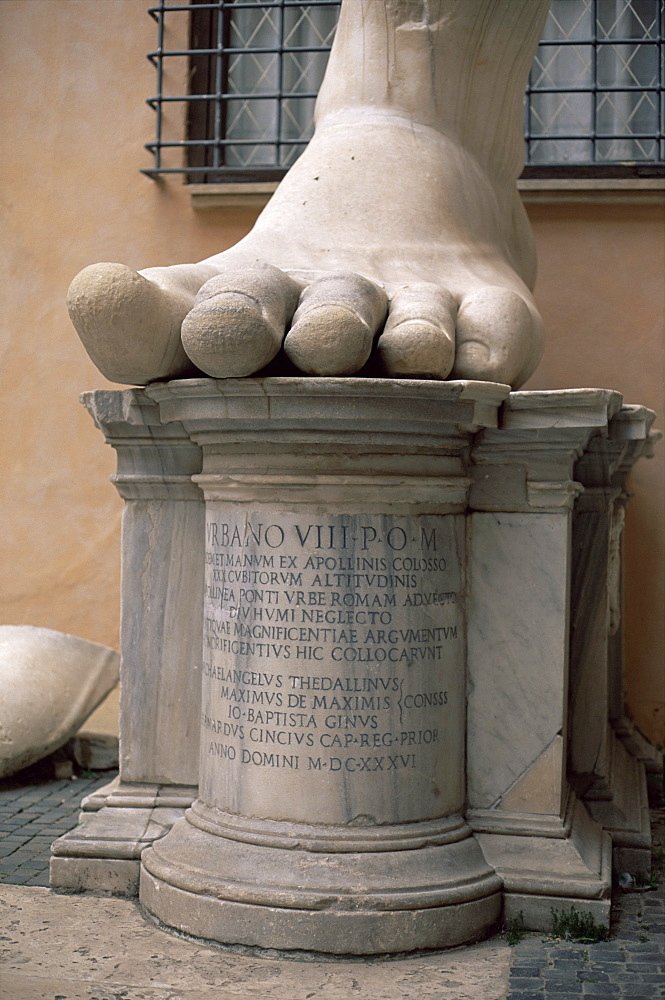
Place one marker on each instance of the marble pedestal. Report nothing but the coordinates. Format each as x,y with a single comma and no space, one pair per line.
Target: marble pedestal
383,780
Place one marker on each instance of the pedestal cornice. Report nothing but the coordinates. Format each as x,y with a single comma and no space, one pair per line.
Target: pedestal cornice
330,415
529,461
155,461
357,442
609,458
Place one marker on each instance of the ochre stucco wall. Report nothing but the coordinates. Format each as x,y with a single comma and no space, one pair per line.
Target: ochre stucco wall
73,81
601,290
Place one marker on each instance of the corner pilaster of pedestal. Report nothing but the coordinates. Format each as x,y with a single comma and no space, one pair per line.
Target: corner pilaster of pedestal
161,609
610,780
532,828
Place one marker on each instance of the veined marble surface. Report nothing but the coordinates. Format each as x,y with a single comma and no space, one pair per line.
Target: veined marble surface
517,646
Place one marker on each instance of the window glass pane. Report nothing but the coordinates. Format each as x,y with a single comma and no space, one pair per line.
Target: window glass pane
631,65
628,19
601,48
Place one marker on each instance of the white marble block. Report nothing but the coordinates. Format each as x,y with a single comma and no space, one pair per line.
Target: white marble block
50,683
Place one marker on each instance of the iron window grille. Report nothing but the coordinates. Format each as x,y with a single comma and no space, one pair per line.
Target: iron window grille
239,78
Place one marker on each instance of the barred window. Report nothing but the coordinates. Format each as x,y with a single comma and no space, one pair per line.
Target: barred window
243,75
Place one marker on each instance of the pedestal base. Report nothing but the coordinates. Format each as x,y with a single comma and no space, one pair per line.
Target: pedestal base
548,864
103,853
385,567
345,903
622,808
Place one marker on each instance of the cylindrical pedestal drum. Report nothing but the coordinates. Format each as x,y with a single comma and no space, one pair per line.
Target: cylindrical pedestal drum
331,781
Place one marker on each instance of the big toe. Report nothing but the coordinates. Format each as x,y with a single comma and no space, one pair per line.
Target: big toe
498,337
128,325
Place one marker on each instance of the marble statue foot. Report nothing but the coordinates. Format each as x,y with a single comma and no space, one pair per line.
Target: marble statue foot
397,241
437,310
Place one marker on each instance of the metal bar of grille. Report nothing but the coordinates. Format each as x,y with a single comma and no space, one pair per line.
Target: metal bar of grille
278,123
246,50
594,81
241,4
207,151
660,26
237,95
221,72
157,105
193,143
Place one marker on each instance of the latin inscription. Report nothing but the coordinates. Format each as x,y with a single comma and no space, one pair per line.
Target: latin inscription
328,645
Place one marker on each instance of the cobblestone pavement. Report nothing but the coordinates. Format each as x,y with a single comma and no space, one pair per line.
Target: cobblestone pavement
630,966
623,967
35,808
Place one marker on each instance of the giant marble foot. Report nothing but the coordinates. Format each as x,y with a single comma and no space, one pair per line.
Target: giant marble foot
396,242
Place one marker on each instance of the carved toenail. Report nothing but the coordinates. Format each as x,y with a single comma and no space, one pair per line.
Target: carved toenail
329,340
334,325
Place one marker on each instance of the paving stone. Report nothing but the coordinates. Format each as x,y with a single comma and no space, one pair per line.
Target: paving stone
646,948
626,980
13,843
23,877
601,989
646,994
41,879
525,982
